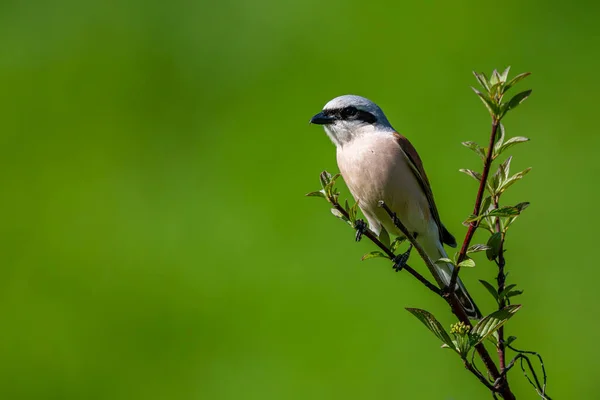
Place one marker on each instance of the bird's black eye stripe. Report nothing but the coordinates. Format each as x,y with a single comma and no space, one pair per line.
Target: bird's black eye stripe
348,112
351,113
366,117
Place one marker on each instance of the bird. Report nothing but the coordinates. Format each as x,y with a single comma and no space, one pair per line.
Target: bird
379,164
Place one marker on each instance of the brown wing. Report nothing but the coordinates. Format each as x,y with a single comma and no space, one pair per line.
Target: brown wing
417,166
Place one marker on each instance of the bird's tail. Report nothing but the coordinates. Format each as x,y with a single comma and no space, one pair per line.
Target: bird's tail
435,251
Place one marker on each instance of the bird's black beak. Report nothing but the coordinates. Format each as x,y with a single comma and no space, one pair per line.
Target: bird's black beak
322,119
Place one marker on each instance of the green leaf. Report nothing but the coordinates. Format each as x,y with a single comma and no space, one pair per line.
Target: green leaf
494,184
484,224
338,213
494,242
467,262
374,254
495,78
341,216
396,243
329,186
445,260
485,205
384,237
517,99
473,174
514,293
495,90
504,75
505,168
490,324
513,179
477,247
489,104
432,324
507,211
516,79
325,178
490,289
493,338
320,193
499,140
489,186
508,222
472,218
462,344
509,340
327,182
501,174
480,151
506,290
511,142
482,79
353,212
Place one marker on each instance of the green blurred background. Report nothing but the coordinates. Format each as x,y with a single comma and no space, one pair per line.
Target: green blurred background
156,243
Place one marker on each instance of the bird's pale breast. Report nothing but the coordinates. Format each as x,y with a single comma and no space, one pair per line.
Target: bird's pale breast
375,168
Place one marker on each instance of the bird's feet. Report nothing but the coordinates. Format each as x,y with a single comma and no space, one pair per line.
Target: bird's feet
361,228
401,259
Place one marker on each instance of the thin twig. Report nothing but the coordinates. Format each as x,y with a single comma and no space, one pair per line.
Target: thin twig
473,225
501,279
542,388
481,378
537,385
473,363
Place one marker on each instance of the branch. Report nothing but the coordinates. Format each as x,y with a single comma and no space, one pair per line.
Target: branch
473,225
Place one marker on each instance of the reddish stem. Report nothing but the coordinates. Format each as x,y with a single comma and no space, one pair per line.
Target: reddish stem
478,200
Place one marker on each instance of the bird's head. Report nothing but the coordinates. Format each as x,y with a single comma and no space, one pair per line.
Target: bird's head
349,116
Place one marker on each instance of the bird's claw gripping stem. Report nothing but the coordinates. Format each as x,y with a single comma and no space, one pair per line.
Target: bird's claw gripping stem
361,228
401,259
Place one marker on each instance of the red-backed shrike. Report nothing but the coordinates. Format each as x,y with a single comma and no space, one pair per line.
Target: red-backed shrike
377,163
